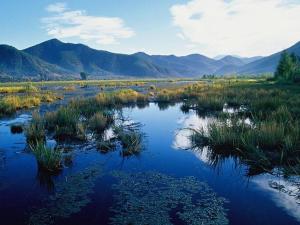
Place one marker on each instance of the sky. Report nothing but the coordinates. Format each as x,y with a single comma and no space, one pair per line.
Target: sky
209,27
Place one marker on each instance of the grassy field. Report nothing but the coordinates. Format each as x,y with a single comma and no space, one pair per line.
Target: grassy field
92,82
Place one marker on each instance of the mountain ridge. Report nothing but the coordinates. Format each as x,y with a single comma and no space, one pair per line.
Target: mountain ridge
54,59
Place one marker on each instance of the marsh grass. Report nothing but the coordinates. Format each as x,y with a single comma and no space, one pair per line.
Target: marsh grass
48,159
105,146
98,123
130,138
10,104
66,124
19,89
35,131
272,137
69,88
264,143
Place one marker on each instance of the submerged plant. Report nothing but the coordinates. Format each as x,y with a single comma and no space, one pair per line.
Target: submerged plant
71,194
151,198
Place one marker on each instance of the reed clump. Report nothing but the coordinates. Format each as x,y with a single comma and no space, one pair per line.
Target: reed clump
48,159
35,131
65,123
12,103
19,89
98,123
130,138
274,141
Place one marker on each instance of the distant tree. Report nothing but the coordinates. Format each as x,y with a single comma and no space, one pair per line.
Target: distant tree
288,67
83,75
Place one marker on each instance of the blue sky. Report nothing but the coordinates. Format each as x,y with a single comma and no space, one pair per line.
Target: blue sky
210,27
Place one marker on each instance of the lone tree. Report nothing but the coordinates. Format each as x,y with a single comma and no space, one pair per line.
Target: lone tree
288,68
83,75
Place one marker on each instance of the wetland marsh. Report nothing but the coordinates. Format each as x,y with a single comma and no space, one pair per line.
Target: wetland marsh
222,151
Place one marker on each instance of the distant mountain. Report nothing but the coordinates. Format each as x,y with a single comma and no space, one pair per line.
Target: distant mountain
54,59
245,60
267,64
77,58
16,63
191,65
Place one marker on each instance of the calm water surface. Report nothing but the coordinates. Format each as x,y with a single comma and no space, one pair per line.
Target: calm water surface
24,190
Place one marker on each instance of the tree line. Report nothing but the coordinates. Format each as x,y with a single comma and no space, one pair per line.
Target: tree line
288,68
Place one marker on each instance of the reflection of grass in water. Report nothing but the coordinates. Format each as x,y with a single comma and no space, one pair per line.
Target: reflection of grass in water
71,195
2,161
154,198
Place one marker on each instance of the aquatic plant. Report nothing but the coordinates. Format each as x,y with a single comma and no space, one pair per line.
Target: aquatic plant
12,103
71,194
262,144
150,198
209,104
69,88
105,146
65,123
130,137
98,123
48,159
19,89
35,130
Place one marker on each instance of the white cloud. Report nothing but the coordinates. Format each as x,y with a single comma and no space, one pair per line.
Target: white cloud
56,7
244,27
64,23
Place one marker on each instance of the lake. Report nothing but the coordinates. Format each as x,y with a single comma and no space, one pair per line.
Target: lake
167,183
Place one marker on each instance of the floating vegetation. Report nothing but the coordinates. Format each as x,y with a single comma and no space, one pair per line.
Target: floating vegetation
155,198
71,195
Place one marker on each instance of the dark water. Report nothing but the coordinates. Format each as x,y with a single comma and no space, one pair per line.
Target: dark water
27,193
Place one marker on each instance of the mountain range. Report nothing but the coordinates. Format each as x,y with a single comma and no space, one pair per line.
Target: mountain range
54,59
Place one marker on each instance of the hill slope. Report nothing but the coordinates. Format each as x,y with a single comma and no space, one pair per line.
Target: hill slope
54,59
16,63
267,64
78,57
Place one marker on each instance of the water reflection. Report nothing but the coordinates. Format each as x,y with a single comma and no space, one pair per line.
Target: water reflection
187,123
45,180
284,192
